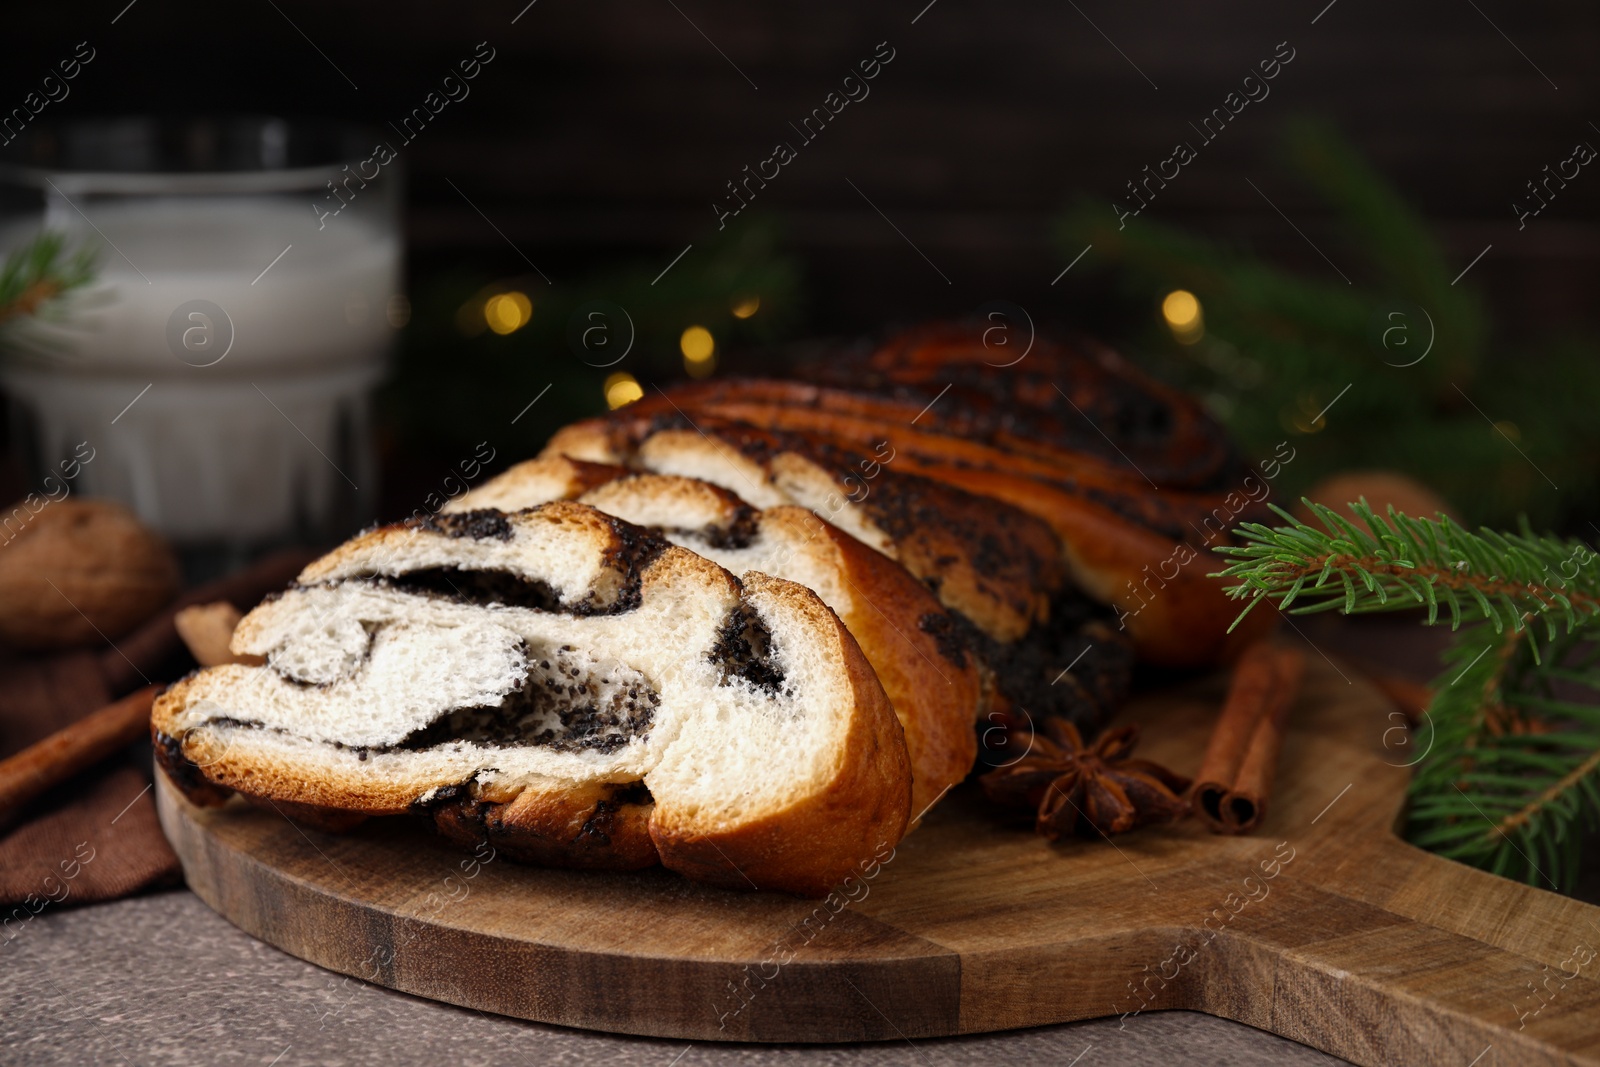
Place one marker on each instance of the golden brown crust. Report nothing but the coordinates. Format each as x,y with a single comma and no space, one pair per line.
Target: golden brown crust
379,548
810,846
1176,614
588,826
189,780
544,478
935,696
584,825
1030,436
204,763
180,770
673,503
1164,510
998,566
596,441
1064,403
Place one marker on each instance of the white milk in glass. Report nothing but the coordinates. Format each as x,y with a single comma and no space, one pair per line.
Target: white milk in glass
243,428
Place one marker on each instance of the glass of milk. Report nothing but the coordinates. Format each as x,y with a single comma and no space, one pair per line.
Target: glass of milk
246,293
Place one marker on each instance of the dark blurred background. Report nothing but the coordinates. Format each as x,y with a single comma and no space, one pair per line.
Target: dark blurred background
605,131
595,142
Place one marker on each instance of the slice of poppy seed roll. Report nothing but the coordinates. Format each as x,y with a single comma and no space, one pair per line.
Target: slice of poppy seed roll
934,684
566,686
1045,648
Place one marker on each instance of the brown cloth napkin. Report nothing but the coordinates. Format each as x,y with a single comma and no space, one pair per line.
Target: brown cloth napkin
96,837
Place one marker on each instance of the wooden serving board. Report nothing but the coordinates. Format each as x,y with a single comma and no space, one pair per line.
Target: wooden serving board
1358,944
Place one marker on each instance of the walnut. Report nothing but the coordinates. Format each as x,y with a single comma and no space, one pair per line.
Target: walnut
78,573
1380,489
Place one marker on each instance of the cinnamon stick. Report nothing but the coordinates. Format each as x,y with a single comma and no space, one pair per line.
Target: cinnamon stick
1246,804
74,748
1255,677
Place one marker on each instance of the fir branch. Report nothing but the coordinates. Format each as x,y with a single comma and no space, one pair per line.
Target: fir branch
41,271
1532,810
1512,770
1404,562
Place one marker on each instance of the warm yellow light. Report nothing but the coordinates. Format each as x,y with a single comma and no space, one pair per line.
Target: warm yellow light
1508,430
507,312
697,345
1180,309
621,389
743,309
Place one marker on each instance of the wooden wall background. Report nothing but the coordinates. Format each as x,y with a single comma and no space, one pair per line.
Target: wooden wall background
605,129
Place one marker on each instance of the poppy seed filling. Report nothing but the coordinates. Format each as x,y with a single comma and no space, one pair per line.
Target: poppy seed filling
743,652
569,701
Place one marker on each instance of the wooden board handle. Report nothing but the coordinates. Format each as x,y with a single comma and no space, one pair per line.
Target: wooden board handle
1432,961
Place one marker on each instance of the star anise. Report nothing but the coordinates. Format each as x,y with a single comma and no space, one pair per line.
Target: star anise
1083,788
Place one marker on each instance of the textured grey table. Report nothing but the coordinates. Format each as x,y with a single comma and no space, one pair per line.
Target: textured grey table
161,979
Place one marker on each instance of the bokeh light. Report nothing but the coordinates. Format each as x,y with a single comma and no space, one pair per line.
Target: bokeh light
699,350
507,312
621,389
697,344
1184,318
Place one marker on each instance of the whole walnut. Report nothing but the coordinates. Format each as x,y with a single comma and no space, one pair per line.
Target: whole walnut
79,572
1380,488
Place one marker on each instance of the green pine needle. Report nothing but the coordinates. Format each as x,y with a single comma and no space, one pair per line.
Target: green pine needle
1406,562
1511,775
39,272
